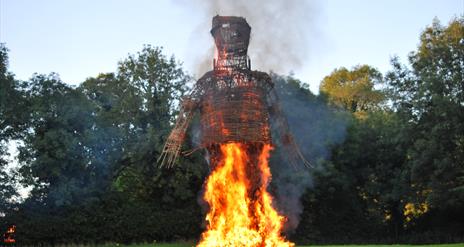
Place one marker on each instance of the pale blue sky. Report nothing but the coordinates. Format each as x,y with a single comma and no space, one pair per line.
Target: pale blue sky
81,38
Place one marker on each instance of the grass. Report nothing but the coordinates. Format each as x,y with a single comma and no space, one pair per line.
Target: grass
190,245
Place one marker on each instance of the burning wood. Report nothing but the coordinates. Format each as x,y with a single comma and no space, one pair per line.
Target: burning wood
236,105
241,212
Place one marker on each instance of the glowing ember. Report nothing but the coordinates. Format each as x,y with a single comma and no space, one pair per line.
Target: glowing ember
241,212
8,237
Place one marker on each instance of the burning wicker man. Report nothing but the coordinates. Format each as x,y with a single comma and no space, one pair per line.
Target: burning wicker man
237,107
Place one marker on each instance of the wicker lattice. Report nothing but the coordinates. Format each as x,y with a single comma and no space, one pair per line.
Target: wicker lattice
234,102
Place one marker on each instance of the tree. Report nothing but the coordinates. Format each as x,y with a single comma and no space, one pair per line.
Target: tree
55,155
430,95
363,181
160,81
11,120
354,90
90,152
151,86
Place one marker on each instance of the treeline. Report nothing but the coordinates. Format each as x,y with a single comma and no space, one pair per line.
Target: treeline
89,152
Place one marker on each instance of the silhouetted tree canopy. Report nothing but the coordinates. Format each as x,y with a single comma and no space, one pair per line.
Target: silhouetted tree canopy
387,151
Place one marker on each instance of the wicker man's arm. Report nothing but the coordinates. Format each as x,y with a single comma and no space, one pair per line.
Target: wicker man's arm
173,145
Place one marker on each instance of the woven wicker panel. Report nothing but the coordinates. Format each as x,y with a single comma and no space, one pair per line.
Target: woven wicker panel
235,112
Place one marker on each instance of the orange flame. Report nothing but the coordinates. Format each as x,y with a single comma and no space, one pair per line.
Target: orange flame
241,212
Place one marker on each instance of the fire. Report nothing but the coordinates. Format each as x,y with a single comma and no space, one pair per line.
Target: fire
235,105
8,237
241,211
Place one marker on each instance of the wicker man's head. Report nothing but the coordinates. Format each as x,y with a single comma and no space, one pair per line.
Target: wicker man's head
231,35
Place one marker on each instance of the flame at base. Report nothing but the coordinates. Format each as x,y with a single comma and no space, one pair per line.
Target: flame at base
241,212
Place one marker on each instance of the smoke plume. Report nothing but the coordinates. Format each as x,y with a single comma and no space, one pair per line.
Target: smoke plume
316,128
281,31
282,34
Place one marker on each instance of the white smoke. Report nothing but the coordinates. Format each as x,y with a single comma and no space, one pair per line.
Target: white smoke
281,31
282,34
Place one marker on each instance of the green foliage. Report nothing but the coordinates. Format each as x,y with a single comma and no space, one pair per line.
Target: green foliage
158,80
388,167
430,96
11,120
90,154
55,156
354,90
399,172
368,168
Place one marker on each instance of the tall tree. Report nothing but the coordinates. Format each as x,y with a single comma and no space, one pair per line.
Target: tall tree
90,153
10,119
430,96
153,86
160,81
354,90
55,153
